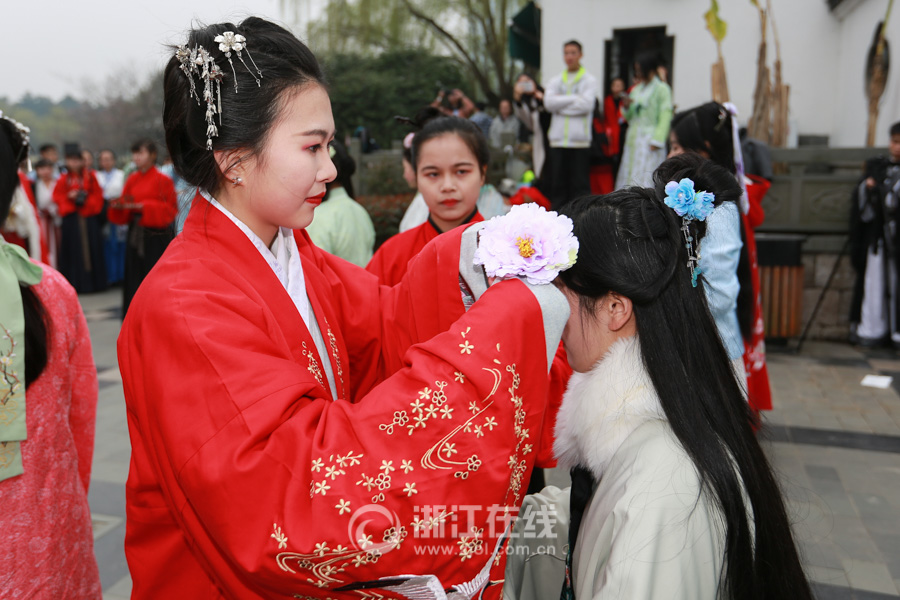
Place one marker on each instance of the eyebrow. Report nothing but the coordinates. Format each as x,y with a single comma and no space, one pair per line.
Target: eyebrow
318,132
459,164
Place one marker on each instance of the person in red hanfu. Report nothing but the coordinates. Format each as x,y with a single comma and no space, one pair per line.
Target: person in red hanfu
297,429
79,202
603,171
148,206
450,157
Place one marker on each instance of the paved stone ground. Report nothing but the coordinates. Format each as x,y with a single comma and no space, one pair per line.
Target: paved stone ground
834,444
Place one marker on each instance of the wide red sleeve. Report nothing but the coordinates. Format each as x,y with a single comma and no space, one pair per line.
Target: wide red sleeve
26,185
122,216
560,372
93,204
61,197
386,321
756,191
389,262
282,492
159,208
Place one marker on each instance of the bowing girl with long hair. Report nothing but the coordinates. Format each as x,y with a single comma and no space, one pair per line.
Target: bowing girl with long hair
672,496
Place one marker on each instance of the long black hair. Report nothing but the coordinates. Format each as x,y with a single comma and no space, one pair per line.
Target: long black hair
707,129
12,151
631,243
248,114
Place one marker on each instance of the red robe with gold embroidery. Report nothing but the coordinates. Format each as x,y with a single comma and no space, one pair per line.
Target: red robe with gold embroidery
248,481
390,263
391,259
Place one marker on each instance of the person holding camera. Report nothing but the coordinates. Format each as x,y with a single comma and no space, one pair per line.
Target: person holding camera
528,105
454,103
79,200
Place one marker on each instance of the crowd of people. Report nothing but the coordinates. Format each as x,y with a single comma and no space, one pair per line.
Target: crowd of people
306,415
98,227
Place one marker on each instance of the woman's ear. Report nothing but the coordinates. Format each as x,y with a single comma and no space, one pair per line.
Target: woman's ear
484,174
619,309
231,163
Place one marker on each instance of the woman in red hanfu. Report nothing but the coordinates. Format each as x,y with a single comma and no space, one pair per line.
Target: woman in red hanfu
450,156
148,206
297,429
79,202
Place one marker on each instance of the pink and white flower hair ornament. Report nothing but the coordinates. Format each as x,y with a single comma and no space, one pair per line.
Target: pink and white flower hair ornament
528,242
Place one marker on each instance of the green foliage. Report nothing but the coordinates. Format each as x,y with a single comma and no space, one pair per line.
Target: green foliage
474,32
371,90
714,24
383,177
49,122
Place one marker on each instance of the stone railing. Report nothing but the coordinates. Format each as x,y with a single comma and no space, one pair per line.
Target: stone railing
810,195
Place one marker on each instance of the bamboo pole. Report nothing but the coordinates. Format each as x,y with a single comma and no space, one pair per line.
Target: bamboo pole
780,92
878,80
758,126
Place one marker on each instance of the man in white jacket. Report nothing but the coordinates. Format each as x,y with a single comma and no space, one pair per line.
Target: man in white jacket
570,98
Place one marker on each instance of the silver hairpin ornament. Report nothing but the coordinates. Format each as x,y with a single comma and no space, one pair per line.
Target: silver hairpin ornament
230,42
25,132
198,61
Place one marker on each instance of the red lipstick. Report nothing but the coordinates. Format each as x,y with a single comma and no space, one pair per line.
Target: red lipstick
316,200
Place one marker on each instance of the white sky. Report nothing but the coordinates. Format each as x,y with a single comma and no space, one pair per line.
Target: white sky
52,47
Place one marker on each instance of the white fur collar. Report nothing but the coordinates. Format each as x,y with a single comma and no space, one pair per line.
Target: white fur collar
602,407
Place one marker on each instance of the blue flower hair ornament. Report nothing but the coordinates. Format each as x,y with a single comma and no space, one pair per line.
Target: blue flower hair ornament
690,205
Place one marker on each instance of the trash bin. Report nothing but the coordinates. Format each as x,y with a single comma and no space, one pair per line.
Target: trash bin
781,282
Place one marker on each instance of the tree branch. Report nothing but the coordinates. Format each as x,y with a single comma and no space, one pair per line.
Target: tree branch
451,40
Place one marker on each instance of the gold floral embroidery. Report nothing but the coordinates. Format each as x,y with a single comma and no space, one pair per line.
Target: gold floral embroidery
313,366
279,537
517,463
466,347
342,506
400,419
325,563
421,412
332,341
470,545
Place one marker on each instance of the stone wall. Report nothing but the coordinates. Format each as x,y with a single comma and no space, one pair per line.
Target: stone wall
831,321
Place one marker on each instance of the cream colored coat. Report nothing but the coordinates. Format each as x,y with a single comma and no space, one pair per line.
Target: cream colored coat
648,532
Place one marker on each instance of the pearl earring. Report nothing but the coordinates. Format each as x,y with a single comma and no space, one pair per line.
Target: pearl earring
236,181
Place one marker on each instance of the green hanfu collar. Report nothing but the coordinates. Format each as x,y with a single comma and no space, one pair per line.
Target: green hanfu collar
15,270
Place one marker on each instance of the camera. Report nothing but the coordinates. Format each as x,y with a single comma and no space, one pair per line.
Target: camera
527,87
80,198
